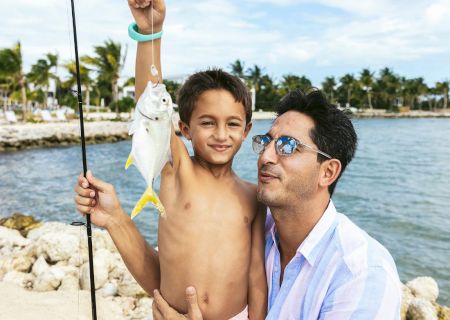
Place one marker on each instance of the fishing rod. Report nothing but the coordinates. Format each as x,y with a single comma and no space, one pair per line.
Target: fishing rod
83,151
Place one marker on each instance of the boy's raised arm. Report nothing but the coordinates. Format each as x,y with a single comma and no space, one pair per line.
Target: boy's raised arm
149,53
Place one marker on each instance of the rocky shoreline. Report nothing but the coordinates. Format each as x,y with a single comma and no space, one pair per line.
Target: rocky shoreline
37,135
38,259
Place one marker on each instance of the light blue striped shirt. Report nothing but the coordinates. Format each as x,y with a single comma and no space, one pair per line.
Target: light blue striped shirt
339,272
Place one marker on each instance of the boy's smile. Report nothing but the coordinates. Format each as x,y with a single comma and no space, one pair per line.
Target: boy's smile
217,127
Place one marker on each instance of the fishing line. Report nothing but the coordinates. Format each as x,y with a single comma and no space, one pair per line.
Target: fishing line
154,71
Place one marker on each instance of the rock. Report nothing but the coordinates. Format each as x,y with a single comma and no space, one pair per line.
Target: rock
22,279
50,279
39,266
10,237
69,283
127,304
420,309
143,309
128,287
407,297
109,289
424,287
20,222
101,270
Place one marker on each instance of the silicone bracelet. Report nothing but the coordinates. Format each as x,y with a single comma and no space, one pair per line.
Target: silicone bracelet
139,37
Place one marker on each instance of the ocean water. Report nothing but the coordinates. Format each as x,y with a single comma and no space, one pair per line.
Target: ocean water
397,188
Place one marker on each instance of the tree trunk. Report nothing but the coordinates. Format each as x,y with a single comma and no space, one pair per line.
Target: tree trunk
24,98
445,100
45,97
369,97
88,96
115,96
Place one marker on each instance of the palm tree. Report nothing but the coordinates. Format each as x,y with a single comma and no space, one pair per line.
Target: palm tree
328,86
348,83
85,78
366,80
291,82
109,61
442,88
237,68
11,70
254,76
40,74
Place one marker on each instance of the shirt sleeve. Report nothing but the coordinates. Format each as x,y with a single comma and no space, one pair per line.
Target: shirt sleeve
371,294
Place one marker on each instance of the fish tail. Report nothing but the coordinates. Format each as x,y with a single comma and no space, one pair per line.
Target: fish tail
130,161
148,196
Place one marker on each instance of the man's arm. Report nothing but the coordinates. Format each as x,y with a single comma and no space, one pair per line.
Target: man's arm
257,290
372,294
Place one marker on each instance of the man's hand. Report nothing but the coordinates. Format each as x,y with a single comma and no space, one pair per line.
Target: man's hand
142,12
162,311
97,198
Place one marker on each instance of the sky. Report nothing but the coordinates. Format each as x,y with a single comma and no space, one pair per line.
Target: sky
313,38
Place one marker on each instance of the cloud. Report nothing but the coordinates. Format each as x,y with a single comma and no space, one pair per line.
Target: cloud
277,34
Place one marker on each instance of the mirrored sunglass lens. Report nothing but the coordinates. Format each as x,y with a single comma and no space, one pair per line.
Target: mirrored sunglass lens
258,144
286,145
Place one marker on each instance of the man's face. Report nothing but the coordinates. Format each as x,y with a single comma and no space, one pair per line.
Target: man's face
283,180
217,127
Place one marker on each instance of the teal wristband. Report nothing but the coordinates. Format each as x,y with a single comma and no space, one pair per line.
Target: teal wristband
139,37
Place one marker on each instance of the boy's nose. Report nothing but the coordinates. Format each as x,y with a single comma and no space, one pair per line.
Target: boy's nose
221,133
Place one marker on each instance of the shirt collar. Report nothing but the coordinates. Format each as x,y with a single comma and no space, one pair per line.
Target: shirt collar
306,248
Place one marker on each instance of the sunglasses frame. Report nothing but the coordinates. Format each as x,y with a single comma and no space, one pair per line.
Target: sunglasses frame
297,142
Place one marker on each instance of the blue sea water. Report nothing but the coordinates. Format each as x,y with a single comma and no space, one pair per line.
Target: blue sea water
396,188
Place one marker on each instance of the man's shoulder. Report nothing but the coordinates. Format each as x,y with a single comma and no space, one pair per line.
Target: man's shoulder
359,251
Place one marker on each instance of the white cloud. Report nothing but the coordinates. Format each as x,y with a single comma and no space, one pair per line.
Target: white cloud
198,34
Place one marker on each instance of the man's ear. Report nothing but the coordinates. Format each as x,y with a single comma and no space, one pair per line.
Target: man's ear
184,129
330,171
247,129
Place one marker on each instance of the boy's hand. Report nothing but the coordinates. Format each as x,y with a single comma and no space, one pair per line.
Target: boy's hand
97,198
162,310
142,13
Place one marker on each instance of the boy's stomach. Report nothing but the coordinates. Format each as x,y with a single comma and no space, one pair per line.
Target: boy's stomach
215,260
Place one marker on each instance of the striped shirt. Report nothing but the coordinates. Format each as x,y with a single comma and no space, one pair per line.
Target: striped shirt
338,272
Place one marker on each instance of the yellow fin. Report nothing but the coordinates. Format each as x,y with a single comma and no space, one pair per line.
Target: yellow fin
130,161
148,196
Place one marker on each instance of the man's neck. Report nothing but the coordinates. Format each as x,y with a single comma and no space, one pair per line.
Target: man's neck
294,223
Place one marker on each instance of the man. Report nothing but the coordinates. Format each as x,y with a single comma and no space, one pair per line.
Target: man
319,264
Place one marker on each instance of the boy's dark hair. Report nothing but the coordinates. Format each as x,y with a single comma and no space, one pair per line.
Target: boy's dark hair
212,79
333,132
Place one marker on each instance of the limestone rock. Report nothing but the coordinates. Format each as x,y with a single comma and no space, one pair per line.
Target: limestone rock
69,283
143,309
420,309
424,287
20,222
101,270
39,266
407,297
22,279
128,287
109,289
50,279
10,237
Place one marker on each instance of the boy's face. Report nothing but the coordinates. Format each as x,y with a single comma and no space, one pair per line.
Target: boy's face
217,127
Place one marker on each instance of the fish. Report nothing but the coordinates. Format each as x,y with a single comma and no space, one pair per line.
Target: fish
150,148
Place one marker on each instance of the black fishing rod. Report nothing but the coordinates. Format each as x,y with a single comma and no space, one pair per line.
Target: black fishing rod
83,151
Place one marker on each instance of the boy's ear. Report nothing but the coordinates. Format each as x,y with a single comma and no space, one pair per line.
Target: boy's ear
184,129
247,129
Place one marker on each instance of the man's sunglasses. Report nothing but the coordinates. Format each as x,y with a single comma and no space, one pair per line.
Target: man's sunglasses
284,145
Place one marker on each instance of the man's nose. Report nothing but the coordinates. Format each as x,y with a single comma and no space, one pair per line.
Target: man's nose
269,154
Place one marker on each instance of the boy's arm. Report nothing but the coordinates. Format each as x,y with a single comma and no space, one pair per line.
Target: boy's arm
257,291
149,53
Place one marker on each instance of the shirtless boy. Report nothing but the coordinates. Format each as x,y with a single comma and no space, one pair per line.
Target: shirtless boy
212,237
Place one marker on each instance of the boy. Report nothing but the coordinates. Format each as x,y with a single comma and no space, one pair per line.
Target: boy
212,237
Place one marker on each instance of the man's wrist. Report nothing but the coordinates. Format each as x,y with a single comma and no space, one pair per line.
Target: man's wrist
117,220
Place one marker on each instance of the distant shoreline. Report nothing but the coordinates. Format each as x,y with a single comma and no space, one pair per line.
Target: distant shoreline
20,136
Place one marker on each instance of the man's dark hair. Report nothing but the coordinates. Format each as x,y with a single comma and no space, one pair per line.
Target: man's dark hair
333,132
213,79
